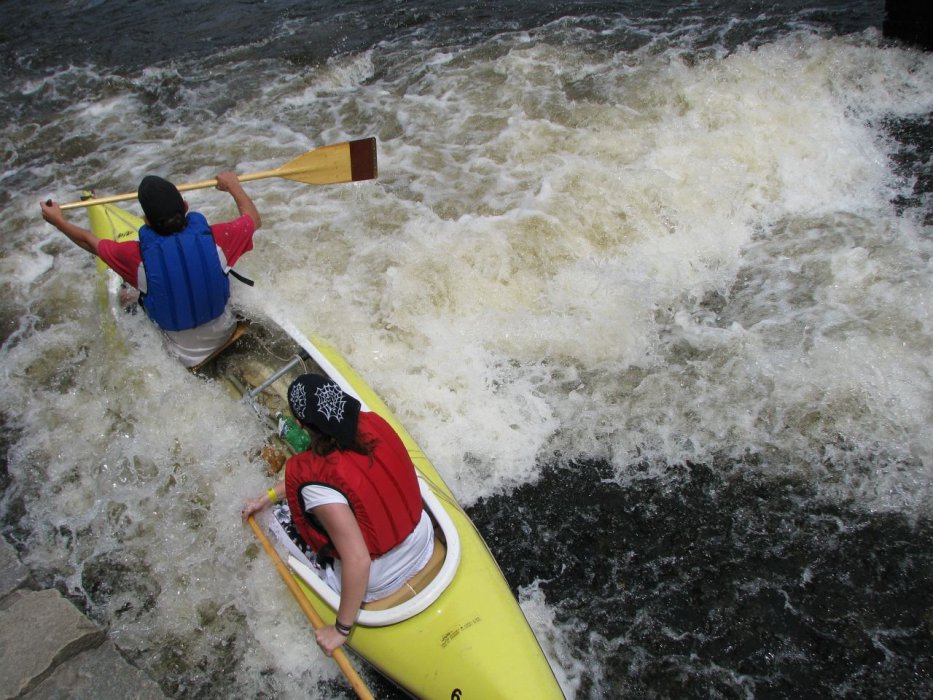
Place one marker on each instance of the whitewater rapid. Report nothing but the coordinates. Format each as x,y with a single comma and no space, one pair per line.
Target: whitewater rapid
644,257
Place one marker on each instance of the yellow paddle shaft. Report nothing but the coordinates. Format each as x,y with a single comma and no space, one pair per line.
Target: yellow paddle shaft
340,162
357,683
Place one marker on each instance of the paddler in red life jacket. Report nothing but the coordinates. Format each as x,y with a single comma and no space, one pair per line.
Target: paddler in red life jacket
354,498
180,263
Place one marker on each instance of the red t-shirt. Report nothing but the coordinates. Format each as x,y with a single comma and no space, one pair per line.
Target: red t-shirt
234,238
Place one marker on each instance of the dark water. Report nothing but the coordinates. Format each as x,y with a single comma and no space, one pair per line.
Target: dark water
711,584
670,547
134,34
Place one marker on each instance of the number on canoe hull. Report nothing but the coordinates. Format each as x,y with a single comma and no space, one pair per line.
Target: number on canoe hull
456,694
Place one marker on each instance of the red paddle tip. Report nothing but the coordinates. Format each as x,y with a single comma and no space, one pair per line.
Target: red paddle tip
363,159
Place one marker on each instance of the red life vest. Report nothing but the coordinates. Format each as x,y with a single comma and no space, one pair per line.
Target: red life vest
382,491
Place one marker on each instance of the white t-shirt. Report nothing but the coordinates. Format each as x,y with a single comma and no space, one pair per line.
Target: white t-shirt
389,572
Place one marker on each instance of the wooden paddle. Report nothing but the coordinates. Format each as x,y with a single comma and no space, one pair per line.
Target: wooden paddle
350,161
357,683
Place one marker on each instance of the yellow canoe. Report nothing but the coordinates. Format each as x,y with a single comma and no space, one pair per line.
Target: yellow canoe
462,636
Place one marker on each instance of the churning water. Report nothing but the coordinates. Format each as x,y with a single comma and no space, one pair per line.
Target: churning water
650,284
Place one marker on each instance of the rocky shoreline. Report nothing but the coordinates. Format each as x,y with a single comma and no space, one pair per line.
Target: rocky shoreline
49,649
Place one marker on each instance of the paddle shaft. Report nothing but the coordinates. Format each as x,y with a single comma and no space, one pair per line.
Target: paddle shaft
186,187
350,161
248,177
199,185
357,683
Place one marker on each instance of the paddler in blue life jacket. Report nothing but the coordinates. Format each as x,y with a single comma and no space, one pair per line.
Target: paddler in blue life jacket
180,263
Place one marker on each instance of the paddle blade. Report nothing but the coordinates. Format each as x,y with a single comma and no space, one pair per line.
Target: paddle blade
351,161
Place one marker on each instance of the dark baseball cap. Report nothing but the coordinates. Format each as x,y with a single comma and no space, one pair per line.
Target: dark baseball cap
160,199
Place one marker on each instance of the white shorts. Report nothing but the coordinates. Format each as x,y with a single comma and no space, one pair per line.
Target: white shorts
197,344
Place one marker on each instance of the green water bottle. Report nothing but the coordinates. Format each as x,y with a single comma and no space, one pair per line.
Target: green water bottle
293,434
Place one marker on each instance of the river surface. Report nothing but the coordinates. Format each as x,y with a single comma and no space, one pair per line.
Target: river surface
650,282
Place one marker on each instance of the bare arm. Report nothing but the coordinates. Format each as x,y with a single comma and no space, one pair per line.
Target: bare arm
341,526
344,532
81,237
229,182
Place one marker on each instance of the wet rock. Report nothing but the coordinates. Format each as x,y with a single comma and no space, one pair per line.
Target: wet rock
909,20
38,631
13,574
48,649
97,674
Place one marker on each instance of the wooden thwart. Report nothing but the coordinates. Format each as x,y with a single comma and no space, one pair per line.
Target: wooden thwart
241,328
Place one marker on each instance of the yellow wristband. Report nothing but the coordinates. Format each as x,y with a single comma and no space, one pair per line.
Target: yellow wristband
273,498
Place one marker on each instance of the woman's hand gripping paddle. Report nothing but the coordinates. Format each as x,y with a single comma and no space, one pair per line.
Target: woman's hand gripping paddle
359,686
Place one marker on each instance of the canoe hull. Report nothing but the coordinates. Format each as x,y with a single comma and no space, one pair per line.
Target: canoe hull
473,641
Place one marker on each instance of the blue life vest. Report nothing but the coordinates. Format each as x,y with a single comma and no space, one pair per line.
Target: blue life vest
186,282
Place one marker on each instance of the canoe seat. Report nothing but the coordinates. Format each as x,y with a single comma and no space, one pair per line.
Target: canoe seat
416,583
241,328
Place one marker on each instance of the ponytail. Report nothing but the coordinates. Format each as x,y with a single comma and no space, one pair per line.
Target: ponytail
323,444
